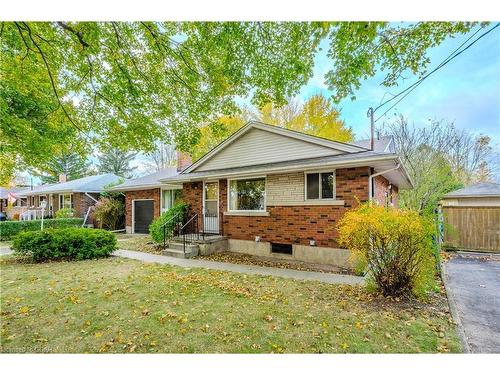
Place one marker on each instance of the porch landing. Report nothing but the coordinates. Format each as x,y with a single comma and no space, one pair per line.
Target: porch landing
195,245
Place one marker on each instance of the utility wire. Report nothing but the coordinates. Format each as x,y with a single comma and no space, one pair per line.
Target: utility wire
416,83
450,57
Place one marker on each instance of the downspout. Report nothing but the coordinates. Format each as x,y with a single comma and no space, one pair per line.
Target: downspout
91,197
88,210
370,180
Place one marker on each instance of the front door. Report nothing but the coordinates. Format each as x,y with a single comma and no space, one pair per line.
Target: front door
211,207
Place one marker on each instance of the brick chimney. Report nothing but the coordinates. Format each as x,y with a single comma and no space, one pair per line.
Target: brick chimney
183,161
62,177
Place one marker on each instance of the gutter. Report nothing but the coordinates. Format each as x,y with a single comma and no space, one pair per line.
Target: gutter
370,180
185,177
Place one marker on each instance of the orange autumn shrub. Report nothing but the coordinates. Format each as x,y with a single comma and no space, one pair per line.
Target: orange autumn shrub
395,244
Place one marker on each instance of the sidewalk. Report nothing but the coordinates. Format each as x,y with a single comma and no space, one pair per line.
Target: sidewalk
329,278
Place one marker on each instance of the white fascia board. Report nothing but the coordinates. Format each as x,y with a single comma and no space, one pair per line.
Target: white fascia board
148,187
135,187
342,164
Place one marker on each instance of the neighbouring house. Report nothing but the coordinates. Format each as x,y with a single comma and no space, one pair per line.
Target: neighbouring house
79,194
471,218
12,193
275,192
146,198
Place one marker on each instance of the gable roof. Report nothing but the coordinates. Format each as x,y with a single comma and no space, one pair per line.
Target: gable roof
89,184
149,181
484,189
298,142
379,161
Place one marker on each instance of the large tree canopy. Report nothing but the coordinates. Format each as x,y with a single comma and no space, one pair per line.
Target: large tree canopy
131,84
317,116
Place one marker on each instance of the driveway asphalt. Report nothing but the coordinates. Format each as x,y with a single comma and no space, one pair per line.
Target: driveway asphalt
473,285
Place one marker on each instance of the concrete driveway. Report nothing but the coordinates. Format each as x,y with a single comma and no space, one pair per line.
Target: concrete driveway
473,285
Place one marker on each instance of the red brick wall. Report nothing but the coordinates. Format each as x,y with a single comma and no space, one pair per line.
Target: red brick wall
192,194
289,224
154,194
82,202
384,191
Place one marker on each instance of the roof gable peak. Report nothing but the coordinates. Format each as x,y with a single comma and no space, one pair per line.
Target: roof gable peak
324,144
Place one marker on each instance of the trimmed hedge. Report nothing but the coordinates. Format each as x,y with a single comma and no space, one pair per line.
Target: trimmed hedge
67,244
8,229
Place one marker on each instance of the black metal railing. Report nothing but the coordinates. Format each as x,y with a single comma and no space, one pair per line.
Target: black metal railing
190,231
171,228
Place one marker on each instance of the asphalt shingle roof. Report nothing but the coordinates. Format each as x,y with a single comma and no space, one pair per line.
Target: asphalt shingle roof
383,144
4,192
84,184
484,189
150,180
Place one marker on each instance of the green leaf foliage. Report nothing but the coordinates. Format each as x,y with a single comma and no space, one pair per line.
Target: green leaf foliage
10,228
117,161
156,228
71,164
65,213
67,244
128,84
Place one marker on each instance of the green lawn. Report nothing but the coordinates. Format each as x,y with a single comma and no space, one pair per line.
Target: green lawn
117,305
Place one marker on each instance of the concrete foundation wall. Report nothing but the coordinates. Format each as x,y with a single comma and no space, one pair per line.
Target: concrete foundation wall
213,247
311,254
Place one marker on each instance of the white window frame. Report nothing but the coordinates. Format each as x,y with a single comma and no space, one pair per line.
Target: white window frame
162,208
61,200
246,178
334,171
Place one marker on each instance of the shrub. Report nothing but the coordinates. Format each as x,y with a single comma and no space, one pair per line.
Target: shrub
65,213
67,244
396,246
156,227
10,228
109,213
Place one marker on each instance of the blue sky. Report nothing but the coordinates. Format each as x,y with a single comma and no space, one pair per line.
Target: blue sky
465,91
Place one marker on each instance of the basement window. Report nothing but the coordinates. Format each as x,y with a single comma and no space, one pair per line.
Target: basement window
281,248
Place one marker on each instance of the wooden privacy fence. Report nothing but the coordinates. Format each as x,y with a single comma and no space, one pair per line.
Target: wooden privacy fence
472,228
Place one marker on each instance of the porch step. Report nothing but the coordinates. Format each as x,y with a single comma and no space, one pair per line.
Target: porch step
176,249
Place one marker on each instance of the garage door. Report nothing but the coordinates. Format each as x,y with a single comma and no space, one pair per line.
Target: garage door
143,216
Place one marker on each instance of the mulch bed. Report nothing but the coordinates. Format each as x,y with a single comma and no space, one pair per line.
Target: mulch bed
238,258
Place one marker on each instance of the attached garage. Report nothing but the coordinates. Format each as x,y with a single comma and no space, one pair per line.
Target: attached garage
471,218
142,215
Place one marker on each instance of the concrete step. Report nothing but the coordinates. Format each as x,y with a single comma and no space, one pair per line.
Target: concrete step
176,249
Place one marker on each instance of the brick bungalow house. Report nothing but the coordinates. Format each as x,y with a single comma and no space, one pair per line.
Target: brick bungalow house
146,198
276,192
79,194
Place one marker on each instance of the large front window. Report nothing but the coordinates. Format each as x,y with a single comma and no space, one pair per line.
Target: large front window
247,194
320,185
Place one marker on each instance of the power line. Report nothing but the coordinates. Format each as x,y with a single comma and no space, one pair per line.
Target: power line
409,87
450,57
